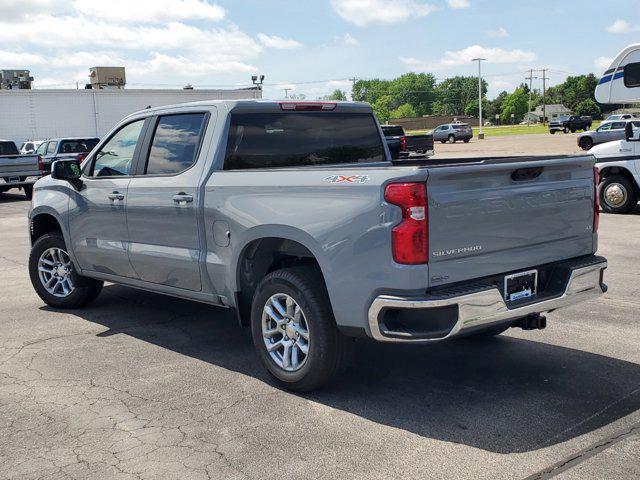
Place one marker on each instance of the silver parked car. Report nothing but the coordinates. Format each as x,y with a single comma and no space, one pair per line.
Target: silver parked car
452,132
606,132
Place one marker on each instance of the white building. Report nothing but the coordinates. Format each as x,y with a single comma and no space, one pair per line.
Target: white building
552,111
42,114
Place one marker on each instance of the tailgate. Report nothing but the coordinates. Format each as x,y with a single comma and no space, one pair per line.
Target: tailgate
419,142
492,218
18,165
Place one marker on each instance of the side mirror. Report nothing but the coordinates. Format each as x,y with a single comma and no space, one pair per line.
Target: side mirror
628,131
68,170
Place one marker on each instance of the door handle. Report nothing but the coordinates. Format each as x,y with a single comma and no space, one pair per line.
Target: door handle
116,196
182,198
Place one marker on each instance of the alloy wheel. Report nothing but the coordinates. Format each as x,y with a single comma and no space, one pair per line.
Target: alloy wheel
285,332
56,272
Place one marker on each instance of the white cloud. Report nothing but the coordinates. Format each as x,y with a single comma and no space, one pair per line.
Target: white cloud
500,85
279,43
622,26
464,56
348,39
500,32
19,60
150,11
458,4
603,62
367,12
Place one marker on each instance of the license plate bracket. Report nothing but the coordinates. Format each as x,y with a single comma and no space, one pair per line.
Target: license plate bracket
521,285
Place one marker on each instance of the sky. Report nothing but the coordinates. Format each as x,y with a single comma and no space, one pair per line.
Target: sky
311,47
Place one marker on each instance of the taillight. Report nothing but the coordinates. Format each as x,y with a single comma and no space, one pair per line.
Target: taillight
308,106
40,165
403,143
596,199
80,157
410,237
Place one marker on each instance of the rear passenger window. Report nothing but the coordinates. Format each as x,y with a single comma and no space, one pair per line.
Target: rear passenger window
175,143
632,75
618,125
51,149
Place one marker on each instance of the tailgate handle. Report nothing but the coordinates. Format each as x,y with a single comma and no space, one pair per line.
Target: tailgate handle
526,173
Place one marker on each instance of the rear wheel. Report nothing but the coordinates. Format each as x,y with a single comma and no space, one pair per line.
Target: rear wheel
466,140
54,278
443,141
28,191
452,139
552,132
618,195
586,143
294,331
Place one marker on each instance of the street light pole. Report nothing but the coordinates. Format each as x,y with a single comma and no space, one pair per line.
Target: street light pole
479,60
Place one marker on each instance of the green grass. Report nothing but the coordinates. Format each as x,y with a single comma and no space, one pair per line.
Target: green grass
506,130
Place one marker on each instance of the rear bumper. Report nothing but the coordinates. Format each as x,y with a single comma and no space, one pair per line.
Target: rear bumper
481,308
30,180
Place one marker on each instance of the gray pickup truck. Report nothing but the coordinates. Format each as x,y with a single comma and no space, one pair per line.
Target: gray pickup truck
18,171
294,216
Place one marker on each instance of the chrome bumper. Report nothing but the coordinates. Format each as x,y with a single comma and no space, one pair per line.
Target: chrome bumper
487,306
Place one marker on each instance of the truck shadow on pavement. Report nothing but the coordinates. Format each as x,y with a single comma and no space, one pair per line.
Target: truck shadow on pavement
504,395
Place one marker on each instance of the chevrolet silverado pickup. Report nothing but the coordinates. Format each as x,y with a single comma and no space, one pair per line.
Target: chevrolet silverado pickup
18,171
294,215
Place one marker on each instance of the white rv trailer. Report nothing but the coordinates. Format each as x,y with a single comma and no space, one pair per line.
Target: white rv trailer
41,114
619,161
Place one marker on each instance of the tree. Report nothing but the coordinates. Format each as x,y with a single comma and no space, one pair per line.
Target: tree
404,110
455,93
473,111
515,104
369,90
337,95
415,89
495,105
382,108
588,107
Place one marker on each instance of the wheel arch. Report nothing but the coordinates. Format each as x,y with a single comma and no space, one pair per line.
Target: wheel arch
611,170
264,253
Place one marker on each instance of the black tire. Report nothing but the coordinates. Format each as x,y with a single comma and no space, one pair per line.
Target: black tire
443,141
451,139
466,140
629,203
28,191
573,130
586,143
552,132
86,289
565,129
327,346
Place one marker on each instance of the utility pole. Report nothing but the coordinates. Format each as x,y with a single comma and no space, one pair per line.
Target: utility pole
286,92
544,94
353,80
479,60
530,78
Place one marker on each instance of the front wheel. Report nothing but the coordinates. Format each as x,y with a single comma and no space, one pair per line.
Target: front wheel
617,195
452,139
586,143
294,331
443,141
552,132
466,140
565,129
54,278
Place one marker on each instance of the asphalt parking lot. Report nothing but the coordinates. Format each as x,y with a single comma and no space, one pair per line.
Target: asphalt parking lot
144,386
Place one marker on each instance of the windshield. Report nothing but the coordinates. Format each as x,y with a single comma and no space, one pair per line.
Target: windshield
563,118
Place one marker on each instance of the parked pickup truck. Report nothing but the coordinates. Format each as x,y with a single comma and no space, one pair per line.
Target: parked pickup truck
570,123
64,148
18,171
402,145
294,216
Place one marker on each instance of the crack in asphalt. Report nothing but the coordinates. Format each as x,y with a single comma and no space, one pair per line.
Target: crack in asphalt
584,454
